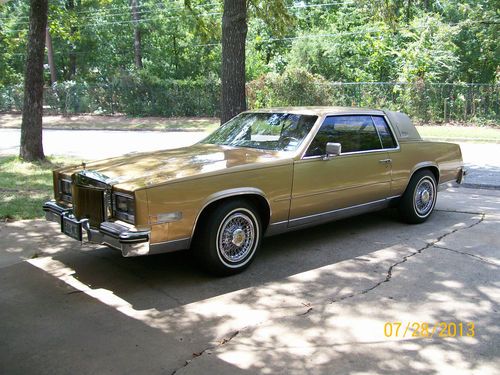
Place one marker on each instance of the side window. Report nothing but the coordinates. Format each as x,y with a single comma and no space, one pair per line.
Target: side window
384,132
354,133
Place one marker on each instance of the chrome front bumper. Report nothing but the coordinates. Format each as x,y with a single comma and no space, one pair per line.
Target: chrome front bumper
120,237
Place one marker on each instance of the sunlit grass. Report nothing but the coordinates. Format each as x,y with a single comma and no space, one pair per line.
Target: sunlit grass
466,133
25,186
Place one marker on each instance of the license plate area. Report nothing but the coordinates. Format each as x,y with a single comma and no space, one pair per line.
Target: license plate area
71,227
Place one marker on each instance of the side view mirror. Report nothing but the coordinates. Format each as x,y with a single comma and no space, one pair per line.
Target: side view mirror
333,149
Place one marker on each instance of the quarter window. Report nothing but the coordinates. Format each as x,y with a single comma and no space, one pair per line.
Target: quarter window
354,133
384,132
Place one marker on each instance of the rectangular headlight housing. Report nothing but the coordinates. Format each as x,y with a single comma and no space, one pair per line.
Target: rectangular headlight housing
65,190
124,207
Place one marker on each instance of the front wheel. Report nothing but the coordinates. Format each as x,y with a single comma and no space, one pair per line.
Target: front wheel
419,199
228,238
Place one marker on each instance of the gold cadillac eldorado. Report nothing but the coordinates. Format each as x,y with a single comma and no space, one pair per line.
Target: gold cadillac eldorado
262,173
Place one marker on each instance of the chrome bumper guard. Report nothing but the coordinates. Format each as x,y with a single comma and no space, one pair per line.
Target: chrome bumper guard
456,183
120,237
461,176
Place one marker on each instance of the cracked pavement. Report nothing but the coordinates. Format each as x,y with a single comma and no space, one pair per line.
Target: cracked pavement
314,301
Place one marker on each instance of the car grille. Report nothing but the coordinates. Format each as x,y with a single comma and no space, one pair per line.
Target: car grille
91,196
89,203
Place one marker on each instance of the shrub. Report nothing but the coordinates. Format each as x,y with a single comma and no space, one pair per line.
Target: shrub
294,87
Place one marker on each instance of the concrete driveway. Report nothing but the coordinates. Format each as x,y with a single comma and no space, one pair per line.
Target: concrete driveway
314,301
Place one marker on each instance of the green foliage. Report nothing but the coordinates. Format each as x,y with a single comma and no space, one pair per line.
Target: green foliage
363,54
290,44
429,53
144,94
295,86
135,94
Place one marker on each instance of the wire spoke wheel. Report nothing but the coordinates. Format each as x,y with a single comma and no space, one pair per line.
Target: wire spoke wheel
228,237
424,196
419,199
236,237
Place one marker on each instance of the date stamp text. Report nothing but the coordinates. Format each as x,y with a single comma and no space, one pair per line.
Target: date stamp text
429,330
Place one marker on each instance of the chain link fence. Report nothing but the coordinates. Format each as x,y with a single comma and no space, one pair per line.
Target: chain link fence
425,102
170,99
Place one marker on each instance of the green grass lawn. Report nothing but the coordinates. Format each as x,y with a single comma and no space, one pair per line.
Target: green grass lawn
24,187
465,133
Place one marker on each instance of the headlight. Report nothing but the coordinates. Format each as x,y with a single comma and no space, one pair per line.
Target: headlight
65,193
124,207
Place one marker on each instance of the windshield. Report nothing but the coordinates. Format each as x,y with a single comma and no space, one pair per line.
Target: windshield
266,131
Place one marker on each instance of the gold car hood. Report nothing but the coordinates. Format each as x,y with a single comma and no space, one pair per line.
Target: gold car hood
139,170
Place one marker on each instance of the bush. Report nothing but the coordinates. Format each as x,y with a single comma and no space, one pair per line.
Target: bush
11,98
294,87
144,94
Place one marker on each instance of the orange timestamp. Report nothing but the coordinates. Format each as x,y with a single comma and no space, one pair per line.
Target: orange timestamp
429,330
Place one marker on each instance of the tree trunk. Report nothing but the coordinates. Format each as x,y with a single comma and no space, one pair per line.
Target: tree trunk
234,33
31,128
70,5
136,17
408,11
50,57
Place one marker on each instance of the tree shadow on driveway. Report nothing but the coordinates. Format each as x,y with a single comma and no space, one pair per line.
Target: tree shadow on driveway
170,280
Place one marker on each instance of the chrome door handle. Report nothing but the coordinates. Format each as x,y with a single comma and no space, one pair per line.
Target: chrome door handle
385,161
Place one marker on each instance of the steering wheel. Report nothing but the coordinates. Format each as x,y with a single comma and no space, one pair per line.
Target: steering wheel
285,141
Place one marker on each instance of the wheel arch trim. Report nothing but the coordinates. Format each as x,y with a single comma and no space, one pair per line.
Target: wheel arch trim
229,193
425,165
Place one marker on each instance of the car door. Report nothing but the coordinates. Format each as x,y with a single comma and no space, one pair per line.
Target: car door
360,176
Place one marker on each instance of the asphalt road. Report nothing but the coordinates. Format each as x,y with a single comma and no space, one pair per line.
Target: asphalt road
326,300
99,144
482,160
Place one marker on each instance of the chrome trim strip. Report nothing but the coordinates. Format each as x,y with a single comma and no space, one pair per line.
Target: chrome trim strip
393,197
338,210
169,246
324,217
276,228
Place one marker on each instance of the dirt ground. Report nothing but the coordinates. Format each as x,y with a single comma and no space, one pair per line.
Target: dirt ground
116,122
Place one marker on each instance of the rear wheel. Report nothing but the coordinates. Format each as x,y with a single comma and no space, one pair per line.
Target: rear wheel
228,238
419,199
